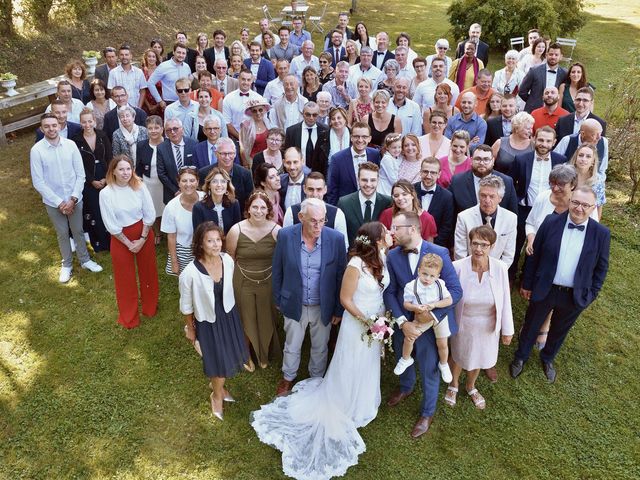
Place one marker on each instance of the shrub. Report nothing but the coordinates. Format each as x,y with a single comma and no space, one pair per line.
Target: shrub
504,19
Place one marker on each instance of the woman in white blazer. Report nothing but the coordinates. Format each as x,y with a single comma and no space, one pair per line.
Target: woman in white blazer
484,314
208,306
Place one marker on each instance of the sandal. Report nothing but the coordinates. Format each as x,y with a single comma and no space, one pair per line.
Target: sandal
477,399
451,395
249,366
540,345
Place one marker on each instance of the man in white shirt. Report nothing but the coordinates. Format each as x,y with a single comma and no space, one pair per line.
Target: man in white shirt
427,89
288,110
275,88
365,68
58,175
406,69
305,59
129,77
185,109
405,109
382,54
234,103
291,182
67,129
74,106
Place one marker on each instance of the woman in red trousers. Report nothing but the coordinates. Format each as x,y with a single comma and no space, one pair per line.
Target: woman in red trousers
128,213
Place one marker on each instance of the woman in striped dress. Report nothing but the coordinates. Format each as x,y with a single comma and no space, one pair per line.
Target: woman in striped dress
177,221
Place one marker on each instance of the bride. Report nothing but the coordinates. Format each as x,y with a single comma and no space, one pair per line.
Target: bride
315,426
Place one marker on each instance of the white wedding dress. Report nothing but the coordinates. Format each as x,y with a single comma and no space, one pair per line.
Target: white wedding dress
315,426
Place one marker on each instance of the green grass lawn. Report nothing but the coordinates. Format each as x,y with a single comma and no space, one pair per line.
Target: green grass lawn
82,398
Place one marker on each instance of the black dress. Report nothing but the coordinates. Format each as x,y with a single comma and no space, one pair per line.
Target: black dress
95,164
377,136
222,342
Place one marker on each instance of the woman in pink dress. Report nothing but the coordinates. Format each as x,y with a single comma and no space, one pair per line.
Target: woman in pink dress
484,315
458,160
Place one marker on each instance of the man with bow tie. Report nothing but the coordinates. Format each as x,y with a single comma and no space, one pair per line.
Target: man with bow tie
564,275
234,103
402,263
548,74
436,200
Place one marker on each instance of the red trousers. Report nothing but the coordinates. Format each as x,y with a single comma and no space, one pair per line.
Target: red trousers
124,275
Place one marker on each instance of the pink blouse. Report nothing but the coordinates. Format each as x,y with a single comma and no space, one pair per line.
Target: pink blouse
445,171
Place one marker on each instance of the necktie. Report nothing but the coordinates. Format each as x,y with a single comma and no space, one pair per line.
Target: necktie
212,157
337,55
487,220
308,151
179,162
407,251
577,227
221,86
367,211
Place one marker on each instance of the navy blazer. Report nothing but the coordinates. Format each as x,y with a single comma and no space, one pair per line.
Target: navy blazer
521,169
73,129
441,209
284,185
167,169
240,178
202,213
494,130
331,50
464,192
209,55
111,123
266,73
287,273
144,153
540,269
342,175
564,126
400,274
533,85
482,52
202,154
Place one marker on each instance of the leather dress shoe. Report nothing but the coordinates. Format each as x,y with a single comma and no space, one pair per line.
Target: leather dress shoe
421,427
492,374
284,387
397,396
516,367
549,371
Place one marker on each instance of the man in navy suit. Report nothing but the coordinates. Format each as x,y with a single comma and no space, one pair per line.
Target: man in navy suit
402,263
344,166
174,153
542,76
261,68
570,124
382,55
564,275
335,48
121,97
500,126
217,51
464,186
530,173
205,152
308,259
436,200
67,129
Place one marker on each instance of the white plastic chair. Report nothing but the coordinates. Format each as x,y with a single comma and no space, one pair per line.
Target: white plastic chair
567,42
317,20
515,41
267,15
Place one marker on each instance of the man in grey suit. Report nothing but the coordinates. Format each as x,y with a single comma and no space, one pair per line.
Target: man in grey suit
549,74
173,154
102,71
366,204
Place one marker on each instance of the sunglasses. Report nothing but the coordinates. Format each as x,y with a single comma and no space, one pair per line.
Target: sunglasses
257,110
183,90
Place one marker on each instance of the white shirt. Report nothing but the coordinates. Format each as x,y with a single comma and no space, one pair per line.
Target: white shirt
427,197
409,114
363,202
175,219
294,192
298,64
361,158
551,77
407,72
57,172
570,250
427,293
124,206
292,113
132,80
305,138
539,179
373,74
427,89
274,91
74,115
234,105
188,116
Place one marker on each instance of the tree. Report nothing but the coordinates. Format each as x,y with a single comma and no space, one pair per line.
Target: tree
38,12
6,18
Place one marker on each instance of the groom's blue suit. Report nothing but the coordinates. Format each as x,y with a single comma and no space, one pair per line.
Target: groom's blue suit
426,352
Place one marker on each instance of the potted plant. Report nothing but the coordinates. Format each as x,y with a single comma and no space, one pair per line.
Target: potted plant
91,58
8,81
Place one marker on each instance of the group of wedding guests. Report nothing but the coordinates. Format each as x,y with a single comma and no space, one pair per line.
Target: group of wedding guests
316,190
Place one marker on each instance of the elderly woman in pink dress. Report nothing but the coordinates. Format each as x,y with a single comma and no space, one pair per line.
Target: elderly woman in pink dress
484,315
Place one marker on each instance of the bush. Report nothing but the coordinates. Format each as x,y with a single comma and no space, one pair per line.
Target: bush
504,19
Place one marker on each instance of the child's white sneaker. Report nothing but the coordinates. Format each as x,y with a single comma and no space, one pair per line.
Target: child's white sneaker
445,371
403,365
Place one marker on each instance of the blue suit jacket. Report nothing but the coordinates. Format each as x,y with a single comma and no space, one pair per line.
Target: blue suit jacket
287,273
533,85
441,209
266,73
400,274
591,271
342,175
522,167
167,169
72,130
202,154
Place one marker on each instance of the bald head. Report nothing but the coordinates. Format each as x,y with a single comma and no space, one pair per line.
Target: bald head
590,131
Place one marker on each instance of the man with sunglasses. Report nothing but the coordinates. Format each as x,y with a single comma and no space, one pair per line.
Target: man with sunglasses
167,73
564,276
185,109
311,138
223,82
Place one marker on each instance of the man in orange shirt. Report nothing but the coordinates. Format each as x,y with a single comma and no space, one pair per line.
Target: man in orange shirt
482,90
550,111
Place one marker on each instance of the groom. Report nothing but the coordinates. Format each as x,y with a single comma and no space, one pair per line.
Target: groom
402,263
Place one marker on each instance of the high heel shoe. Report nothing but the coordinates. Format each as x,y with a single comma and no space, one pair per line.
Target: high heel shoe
216,414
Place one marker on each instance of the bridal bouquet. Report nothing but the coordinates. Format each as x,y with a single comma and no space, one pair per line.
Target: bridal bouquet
379,328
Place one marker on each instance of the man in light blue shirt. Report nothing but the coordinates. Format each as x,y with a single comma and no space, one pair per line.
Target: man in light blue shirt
298,36
167,73
468,120
185,109
58,175
405,109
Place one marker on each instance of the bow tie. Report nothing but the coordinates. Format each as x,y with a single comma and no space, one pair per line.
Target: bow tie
506,120
552,71
407,251
362,155
292,184
244,94
577,227
540,159
429,192
380,53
